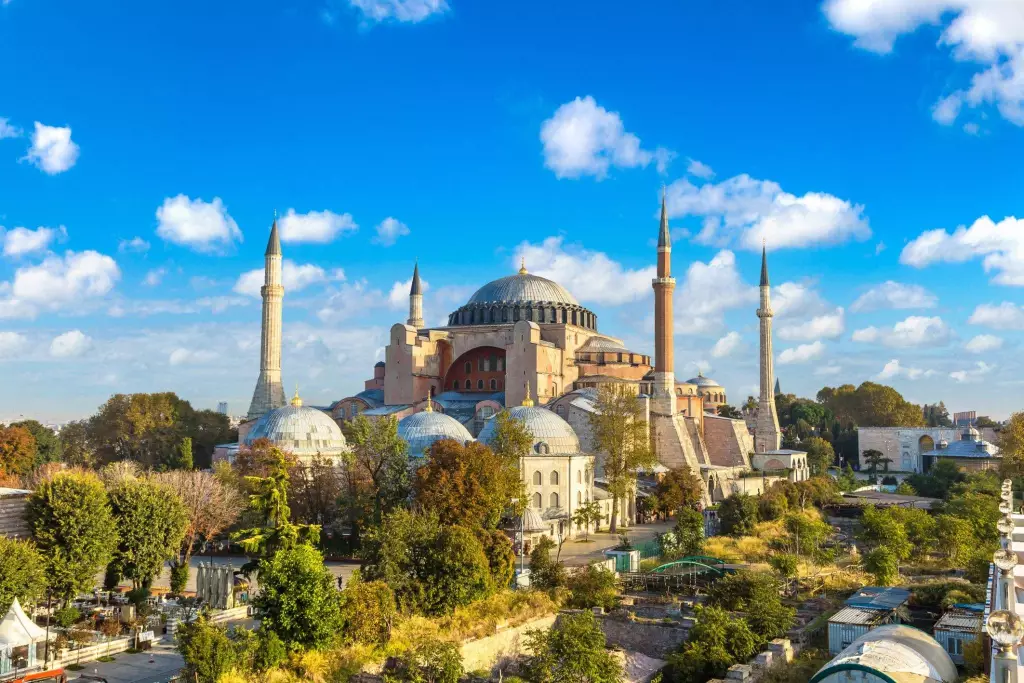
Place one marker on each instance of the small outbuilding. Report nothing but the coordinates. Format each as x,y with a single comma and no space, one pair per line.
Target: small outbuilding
959,626
19,636
890,654
867,609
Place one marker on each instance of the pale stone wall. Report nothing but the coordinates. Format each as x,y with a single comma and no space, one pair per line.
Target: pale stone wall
728,441
485,653
901,444
673,443
573,484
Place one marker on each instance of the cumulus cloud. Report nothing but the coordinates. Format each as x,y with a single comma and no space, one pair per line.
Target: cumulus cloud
389,230
893,369
21,241
318,227
585,139
797,300
12,343
999,245
979,370
407,11
201,226
699,169
1004,316
914,332
727,345
986,33
57,283
591,275
830,370
294,276
894,295
984,343
828,326
8,130
183,356
398,297
52,150
803,353
154,277
749,212
135,245
70,344
707,291
351,300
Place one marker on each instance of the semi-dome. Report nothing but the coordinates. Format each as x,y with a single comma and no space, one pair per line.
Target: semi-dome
421,430
301,430
599,343
551,434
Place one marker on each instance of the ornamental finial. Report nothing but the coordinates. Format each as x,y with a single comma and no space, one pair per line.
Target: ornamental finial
296,401
430,394
522,266
528,399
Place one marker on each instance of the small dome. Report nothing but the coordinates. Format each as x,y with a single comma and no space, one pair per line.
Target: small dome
522,288
550,432
701,381
532,521
379,364
420,430
599,343
300,430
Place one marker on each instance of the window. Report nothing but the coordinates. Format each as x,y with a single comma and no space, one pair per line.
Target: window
469,384
560,409
541,447
486,412
501,364
579,498
482,364
536,500
554,478
554,500
494,384
955,646
538,479
579,476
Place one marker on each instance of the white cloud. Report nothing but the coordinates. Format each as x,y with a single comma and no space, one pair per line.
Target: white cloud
585,139
389,230
797,300
12,343
1004,316
398,297
979,370
699,169
828,326
988,33
747,211
318,227
352,299
21,241
707,291
893,369
802,353
58,282
52,149
727,345
914,332
894,295
183,356
202,226
8,130
983,343
830,370
70,344
154,277
1000,245
588,274
295,277
409,11
135,245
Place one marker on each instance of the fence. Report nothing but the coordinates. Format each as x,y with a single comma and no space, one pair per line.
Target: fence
648,549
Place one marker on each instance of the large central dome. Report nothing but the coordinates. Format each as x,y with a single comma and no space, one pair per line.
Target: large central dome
523,288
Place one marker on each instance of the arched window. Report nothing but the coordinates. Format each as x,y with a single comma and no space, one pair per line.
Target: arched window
501,365
560,409
494,384
579,476
579,497
554,500
541,448
538,478
469,384
536,500
469,367
479,384
554,478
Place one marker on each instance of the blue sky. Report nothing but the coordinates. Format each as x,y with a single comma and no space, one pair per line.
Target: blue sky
145,146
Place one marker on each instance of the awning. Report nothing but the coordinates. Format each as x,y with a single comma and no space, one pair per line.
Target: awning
17,629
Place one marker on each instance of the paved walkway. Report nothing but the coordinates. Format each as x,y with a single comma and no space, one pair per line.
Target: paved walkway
137,668
577,552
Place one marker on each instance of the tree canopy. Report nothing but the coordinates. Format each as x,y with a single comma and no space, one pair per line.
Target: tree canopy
871,405
151,522
22,572
297,598
17,451
573,651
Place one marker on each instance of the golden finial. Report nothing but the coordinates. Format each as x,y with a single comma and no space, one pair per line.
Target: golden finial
429,408
296,401
528,399
522,266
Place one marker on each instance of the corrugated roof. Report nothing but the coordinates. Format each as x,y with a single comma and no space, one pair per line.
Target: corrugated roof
960,620
858,615
902,653
877,597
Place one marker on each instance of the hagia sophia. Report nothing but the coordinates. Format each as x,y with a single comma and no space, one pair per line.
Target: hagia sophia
525,343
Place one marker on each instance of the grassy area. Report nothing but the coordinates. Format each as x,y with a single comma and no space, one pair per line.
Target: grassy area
800,670
74,667
105,659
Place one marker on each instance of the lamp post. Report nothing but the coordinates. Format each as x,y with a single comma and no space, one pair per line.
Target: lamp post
46,648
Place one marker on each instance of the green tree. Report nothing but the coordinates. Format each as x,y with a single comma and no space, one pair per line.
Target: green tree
545,571
883,564
679,488
297,599
939,480
757,594
573,651
954,537
429,661
716,642
586,515
207,651
689,531
820,455
22,572
368,612
847,479
882,528
874,460
269,501
185,454
983,421
512,440
807,530
593,586
870,405
1011,446
621,438
725,410
738,514
380,457
48,446
920,527
17,451
74,528
75,445
151,521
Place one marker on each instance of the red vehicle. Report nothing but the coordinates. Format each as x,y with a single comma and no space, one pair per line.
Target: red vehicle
56,676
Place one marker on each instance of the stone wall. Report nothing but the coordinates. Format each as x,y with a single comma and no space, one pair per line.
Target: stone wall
728,441
484,653
652,638
902,445
12,513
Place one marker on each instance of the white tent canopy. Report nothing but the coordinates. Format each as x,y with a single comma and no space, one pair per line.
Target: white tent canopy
17,630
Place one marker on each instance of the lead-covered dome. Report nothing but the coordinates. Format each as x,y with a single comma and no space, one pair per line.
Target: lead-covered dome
704,382
551,434
301,430
421,430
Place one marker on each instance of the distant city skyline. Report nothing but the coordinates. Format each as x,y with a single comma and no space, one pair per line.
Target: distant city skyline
136,195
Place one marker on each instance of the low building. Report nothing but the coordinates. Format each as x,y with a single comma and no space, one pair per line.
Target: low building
958,627
905,446
866,610
785,461
970,453
890,654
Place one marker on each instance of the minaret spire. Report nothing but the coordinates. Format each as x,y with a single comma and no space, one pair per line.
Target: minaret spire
269,392
767,435
416,299
664,285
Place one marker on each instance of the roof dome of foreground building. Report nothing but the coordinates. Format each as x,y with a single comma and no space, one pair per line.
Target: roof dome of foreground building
893,652
551,434
301,430
421,430
701,381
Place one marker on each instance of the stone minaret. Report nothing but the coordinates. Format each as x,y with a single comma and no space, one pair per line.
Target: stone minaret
767,436
416,300
664,285
269,393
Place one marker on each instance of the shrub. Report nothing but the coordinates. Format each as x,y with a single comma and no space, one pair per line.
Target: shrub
66,616
429,661
738,514
545,572
573,650
179,578
368,612
593,587
785,564
207,651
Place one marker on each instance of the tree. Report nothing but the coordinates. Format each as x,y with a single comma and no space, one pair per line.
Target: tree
808,531
22,573
937,483
622,440
17,450
725,410
368,612
573,651
716,642
466,484
937,416
738,514
593,586
757,594
298,600
847,479
316,486
48,446
983,421
870,405
545,572
1011,446
679,488
883,564
207,651
689,531
501,559
820,455
875,459
512,441
430,660
585,515
151,522
75,445
261,458
74,528
381,456
882,528
269,502
184,455
955,538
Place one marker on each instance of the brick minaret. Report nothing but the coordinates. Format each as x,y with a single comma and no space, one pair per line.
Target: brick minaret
269,393
664,286
416,300
767,436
